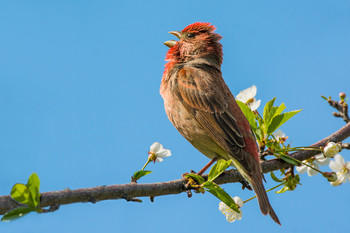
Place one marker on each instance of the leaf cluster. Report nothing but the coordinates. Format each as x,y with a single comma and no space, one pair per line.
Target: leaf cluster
211,186
272,119
26,194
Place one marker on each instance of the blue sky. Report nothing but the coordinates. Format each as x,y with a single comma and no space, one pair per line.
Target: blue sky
80,105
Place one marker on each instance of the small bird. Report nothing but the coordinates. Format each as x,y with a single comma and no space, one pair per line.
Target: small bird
202,108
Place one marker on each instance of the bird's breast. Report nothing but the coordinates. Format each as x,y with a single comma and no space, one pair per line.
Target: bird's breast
188,126
183,121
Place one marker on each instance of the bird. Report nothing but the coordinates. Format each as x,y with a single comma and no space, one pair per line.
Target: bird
202,108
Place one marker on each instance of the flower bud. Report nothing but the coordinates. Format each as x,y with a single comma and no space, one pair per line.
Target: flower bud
331,149
342,95
331,176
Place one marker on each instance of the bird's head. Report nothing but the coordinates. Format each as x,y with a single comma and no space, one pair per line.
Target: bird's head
196,40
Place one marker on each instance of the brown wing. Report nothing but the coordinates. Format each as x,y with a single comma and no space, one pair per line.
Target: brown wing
205,97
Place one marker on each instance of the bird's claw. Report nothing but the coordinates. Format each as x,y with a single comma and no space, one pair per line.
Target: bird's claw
245,184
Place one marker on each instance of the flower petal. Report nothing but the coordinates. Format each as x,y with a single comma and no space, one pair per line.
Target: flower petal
347,177
227,211
279,134
251,91
238,201
247,94
336,183
156,146
301,169
347,165
163,153
231,217
322,160
239,215
222,207
241,97
312,172
339,160
159,159
254,105
336,167
341,177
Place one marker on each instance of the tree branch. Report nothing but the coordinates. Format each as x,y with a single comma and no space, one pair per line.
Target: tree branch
132,190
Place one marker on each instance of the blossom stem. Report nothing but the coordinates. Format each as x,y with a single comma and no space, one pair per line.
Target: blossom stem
144,166
298,149
298,161
266,191
314,147
311,167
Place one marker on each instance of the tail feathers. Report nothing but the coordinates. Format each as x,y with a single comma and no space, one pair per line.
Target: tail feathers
263,200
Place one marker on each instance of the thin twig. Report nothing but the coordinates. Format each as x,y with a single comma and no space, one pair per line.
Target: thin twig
342,108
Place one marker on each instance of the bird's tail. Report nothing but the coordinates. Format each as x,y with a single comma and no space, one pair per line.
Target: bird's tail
263,200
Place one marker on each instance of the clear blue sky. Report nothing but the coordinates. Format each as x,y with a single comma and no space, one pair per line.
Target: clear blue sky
80,105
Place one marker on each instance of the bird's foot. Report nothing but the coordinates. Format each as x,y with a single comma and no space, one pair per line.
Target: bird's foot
207,166
245,184
193,182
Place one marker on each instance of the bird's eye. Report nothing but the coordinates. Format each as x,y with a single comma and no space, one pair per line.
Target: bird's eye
190,35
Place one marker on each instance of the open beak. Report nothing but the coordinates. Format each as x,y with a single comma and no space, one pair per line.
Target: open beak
176,33
171,43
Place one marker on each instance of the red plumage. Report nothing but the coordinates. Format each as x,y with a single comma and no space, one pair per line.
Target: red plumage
199,27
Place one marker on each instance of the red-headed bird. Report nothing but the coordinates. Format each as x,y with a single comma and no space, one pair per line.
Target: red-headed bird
201,107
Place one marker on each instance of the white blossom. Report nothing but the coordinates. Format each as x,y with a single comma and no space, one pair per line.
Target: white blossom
158,150
331,149
322,160
342,169
247,96
280,136
230,214
303,168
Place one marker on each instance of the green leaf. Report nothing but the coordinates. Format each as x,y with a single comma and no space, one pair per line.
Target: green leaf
275,178
260,131
21,193
218,168
17,213
137,175
323,97
258,135
267,111
279,120
249,114
33,186
218,192
284,189
274,145
289,160
279,110
273,111
197,178
27,194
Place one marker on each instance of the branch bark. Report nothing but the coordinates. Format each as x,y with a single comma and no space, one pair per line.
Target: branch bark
132,190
